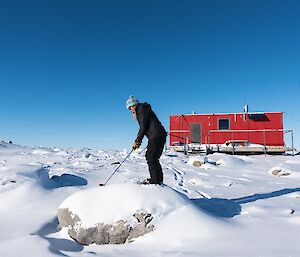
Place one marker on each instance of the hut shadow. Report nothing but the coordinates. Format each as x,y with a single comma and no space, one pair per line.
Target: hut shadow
57,245
59,181
228,208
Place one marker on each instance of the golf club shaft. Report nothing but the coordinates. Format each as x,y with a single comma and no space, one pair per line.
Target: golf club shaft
117,168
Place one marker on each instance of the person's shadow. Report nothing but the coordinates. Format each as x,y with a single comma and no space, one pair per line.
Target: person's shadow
229,208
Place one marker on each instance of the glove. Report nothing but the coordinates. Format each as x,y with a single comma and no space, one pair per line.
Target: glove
136,145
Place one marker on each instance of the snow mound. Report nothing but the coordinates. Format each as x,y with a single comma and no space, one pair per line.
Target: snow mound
111,203
231,160
127,211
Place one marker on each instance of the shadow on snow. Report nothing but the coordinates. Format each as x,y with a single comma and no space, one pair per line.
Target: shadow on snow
57,245
229,208
59,181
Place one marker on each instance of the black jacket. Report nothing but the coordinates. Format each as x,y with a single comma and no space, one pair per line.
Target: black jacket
150,126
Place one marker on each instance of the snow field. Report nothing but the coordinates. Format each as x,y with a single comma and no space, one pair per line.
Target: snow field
233,205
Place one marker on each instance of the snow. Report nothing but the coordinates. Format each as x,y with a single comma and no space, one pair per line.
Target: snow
228,206
127,199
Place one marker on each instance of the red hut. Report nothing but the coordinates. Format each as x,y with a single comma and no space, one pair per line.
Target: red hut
228,129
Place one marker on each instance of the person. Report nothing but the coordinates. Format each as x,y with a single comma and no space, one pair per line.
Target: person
152,128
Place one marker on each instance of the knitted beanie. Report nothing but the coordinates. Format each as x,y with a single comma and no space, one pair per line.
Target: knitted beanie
131,101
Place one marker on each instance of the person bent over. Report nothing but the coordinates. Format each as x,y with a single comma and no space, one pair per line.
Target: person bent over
152,128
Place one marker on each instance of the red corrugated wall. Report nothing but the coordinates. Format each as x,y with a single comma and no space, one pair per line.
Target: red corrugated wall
238,121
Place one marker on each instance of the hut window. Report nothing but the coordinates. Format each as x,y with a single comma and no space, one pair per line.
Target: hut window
223,124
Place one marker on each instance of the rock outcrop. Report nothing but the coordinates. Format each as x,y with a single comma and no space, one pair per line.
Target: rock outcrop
117,233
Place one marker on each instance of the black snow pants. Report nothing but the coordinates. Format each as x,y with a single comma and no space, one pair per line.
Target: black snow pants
154,151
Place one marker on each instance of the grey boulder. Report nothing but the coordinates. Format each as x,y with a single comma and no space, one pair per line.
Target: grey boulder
119,232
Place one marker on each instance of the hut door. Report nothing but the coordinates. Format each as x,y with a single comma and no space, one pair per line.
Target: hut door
195,133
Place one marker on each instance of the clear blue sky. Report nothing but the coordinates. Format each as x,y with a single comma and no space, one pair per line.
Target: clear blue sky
67,67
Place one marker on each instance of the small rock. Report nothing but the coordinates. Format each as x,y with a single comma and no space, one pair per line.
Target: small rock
280,172
219,162
197,163
87,155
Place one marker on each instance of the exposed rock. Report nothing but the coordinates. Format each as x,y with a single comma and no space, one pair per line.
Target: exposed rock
280,172
117,233
66,218
197,163
219,162
142,227
203,162
87,155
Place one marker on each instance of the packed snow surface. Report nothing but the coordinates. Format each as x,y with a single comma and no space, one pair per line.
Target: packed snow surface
226,206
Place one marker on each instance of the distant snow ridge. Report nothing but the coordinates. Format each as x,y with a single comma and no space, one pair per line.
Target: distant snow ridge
120,213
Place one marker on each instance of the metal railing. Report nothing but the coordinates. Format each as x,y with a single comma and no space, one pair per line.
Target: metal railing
208,141
264,131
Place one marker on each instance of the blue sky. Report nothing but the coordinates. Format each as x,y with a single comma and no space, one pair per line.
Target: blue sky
67,67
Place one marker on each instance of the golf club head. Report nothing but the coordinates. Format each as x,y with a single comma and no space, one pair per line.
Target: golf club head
101,184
